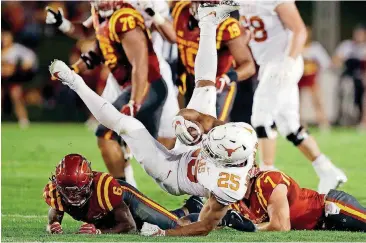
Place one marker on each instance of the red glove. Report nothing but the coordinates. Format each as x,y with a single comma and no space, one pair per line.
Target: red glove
222,83
55,228
131,108
89,229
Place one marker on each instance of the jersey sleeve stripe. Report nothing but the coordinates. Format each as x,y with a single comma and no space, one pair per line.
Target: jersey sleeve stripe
50,194
261,199
178,9
99,190
152,204
59,204
228,102
106,193
286,180
220,33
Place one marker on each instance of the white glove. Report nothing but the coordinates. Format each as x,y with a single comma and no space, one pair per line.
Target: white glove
180,126
151,230
58,19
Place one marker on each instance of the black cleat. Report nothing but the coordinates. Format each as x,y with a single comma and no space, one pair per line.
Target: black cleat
194,204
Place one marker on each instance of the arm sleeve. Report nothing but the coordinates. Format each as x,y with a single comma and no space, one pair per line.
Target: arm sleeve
52,197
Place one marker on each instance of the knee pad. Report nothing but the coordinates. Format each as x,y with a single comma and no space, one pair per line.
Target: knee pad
266,131
298,137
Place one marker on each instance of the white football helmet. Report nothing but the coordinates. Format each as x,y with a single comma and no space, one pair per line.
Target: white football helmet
232,144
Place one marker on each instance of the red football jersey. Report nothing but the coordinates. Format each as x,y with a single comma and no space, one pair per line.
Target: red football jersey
306,206
188,39
105,196
108,34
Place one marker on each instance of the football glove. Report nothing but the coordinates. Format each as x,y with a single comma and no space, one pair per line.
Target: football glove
57,19
89,229
131,108
151,230
181,126
55,228
222,83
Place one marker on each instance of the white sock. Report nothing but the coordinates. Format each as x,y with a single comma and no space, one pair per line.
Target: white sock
204,100
129,176
264,167
206,59
322,165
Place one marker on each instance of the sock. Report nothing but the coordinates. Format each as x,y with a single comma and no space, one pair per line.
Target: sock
204,100
322,165
206,59
179,212
265,167
130,179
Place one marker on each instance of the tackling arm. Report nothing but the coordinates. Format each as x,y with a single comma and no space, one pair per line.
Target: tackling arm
210,216
291,18
278,211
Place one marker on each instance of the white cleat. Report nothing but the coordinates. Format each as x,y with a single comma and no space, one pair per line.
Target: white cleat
62,72
332,180
219,12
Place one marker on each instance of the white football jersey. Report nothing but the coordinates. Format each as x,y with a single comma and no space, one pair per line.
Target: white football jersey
270,38
202,178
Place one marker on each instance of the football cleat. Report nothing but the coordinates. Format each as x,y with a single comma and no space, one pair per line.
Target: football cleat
219,12
331,180
62,72
235,220
194,204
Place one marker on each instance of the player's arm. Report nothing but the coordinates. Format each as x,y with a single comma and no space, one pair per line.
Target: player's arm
88,60
291,18
134,43
210,216
55,215
245,67
278,211
124,221
208,122
76,30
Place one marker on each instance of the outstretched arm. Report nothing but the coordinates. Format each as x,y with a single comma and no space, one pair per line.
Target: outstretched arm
208,122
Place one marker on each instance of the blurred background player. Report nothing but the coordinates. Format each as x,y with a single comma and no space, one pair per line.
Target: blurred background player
133,65
278,38
275,202
316,60
104,204
350,57
231,44
18,66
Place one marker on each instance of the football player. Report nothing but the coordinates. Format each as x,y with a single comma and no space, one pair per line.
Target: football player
278,38
124,45
217,168
275,202
105,204
231,45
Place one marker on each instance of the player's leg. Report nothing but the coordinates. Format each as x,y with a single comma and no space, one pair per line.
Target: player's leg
16,95
344,212
157,161
225,102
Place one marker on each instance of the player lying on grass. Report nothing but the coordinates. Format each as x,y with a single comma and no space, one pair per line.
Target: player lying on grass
105,204
218,169
275,202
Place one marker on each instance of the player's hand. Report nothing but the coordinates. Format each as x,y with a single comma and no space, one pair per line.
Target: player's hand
57,19
182,128
89,229
131,108
222,83
55,228
151,230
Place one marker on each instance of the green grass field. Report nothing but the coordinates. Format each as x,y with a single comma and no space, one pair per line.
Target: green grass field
29,157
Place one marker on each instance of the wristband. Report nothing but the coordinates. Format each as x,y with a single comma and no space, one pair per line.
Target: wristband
233,75
65,26
158,19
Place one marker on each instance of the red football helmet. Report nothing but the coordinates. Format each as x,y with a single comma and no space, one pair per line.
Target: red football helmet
194,7
106,8
73,179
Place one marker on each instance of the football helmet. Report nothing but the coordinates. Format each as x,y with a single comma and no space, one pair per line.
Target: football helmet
195,4
106,8
73,179
230,145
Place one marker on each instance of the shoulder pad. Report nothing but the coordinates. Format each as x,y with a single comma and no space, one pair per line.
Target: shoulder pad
228,30
124,20
52,197
109,192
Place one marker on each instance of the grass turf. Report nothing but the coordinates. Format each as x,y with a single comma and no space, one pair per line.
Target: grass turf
29,157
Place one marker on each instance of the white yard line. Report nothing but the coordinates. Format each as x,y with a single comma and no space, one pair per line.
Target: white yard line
23,216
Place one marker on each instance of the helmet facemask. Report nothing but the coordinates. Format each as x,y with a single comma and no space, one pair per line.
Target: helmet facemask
106,8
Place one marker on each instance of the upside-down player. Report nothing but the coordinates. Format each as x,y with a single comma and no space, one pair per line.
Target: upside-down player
219,168
124,45
231,45
105,204
275,202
